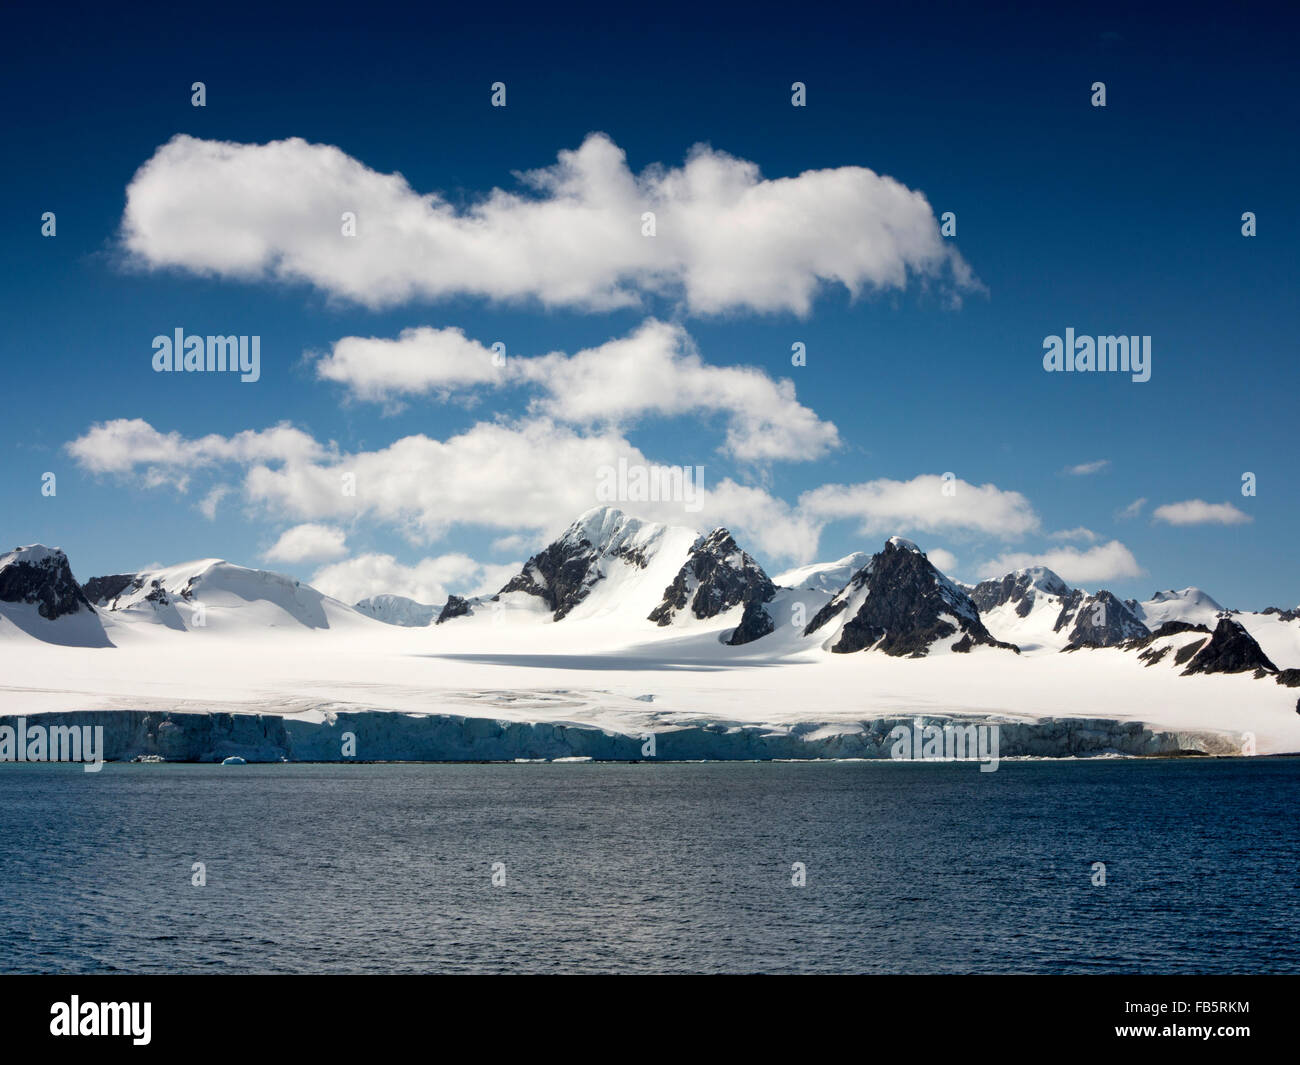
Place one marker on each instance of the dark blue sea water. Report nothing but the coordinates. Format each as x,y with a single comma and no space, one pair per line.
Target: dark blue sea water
653,867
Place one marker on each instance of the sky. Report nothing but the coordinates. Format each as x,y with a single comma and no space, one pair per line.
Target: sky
921,408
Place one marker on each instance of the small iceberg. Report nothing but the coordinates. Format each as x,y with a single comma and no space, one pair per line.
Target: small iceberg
234,759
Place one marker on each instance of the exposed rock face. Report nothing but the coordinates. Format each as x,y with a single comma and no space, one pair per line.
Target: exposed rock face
1022,588
457,607
1169,628
1173,628
101,591
1282,615
717,576
1230,650
397,610
563,574
1099,620
755,622
900,604
41,575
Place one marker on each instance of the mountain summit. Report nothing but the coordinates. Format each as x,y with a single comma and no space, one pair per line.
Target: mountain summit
899,603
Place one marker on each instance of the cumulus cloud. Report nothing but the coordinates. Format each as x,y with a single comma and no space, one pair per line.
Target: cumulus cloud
430,580
656,370
528,479
725,237
308,543
420,361
927,503
1104,562
132,445
1086,468
1199,512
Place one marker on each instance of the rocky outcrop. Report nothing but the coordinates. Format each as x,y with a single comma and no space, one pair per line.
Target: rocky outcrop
900,604
564,573
1231,649
755,623
456,607
717,576
101,591
40,576
1023,587
1099,620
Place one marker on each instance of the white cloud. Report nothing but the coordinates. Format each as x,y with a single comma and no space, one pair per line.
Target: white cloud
1086,468
133,446
926,503
655,370
420,361
526,481
1199,512
1079,532
946,561
1104,562
210,502
1132,510
430,580
308,543
529,479
726,238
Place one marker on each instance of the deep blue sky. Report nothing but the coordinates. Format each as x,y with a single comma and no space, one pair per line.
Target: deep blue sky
1124,219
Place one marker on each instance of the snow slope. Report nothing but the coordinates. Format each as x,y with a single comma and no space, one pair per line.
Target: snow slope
823,576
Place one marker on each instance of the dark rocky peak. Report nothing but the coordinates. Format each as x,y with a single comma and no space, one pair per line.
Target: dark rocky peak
563,574
457,606
717,576
1023,587
41,576
901,604
102,591
1099,620
1231,649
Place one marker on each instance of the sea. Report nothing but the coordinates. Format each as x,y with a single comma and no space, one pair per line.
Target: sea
1187,865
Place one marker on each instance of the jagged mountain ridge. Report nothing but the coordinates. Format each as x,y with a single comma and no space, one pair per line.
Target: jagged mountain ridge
899,603
608,562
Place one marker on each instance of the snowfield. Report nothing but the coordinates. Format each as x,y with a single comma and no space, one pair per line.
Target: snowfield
508,681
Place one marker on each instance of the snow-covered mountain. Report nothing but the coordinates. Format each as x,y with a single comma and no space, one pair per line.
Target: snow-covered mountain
40,598
398,610
217,596
628,572
823,576
716,576
605,562
899,603
1024,607
1097,620
623,626
1190,604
